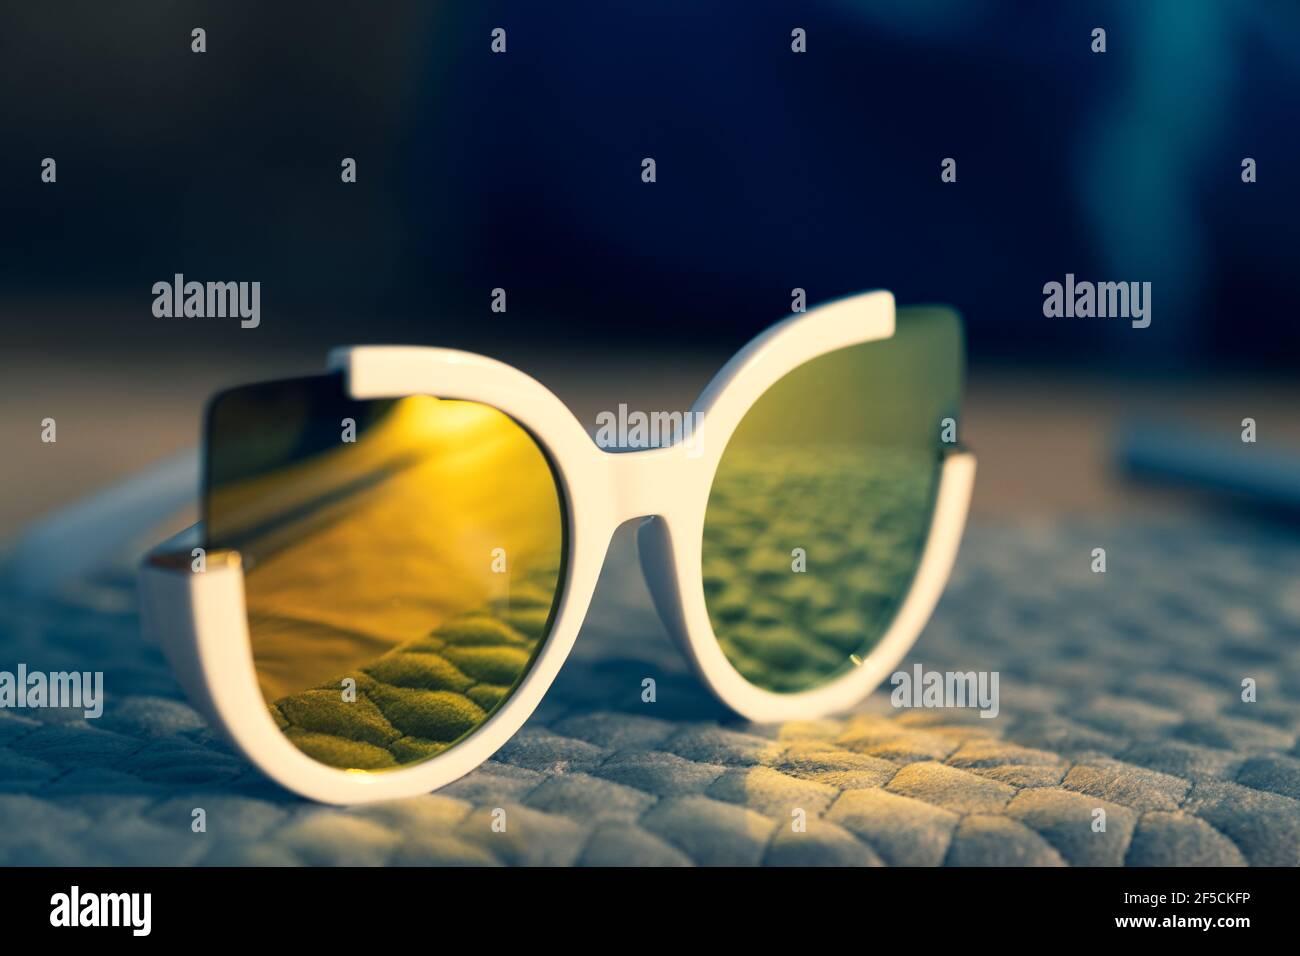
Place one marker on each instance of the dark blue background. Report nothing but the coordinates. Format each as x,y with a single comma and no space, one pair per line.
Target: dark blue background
775,170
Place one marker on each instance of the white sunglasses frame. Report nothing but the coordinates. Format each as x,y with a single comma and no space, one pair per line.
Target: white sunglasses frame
199,617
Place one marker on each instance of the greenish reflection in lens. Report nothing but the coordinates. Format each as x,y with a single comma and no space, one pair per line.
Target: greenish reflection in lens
399,585
834,470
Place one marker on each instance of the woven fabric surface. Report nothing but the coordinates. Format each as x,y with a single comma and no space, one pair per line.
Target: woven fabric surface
1119,691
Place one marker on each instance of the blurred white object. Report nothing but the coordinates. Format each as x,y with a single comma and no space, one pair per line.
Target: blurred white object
88,535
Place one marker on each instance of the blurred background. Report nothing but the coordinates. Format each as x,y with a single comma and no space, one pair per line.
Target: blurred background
774,171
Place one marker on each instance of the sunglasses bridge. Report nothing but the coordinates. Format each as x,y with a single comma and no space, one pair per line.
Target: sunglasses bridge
646,482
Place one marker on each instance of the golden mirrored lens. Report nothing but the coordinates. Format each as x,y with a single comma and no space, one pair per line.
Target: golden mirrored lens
402,559
822,501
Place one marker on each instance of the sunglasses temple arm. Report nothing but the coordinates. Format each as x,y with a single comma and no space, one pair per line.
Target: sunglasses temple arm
93,533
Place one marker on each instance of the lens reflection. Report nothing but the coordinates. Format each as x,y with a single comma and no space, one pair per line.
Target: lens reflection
402,560
822,501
